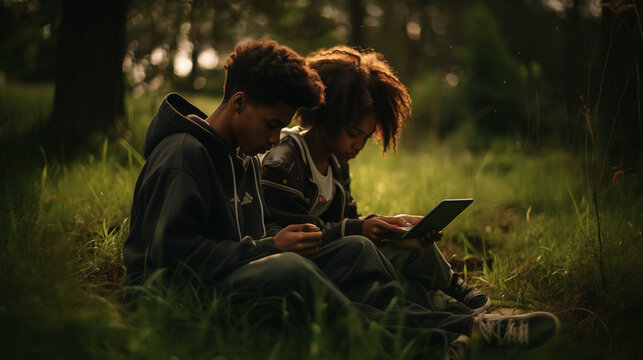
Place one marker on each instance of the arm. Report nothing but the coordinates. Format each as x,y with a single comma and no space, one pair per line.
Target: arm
174,217
288,205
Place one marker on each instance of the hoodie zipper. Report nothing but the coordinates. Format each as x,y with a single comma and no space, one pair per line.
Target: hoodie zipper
236,197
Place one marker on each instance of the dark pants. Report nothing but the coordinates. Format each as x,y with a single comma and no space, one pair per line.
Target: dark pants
426,265
353,275
427,272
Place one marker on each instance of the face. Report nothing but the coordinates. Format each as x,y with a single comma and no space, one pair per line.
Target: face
256,128
351,138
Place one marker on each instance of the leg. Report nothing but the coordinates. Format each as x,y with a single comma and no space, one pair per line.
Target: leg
425,265
285,274
428,267
359,270
364,274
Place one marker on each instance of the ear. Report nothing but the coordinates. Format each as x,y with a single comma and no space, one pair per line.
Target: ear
239,101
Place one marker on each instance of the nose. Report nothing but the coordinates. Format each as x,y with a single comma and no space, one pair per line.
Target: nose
359,145
274,138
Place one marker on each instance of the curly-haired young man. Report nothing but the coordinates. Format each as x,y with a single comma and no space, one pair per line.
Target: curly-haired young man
197,203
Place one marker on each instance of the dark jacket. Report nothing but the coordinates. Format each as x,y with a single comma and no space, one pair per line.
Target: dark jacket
197,202
291,193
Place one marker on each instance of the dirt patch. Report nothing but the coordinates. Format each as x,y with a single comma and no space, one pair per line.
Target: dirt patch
105,279
473,263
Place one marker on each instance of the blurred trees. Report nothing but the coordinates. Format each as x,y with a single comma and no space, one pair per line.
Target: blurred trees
619,118
520,68
28,36
186,42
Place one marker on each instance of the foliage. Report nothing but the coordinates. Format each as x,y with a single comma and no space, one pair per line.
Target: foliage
495,80
28,36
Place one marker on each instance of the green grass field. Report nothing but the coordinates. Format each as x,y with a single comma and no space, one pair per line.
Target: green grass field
529,240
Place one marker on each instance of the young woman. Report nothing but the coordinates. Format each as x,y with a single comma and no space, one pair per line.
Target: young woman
306,177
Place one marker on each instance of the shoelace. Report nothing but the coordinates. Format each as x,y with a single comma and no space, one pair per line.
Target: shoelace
516,332
459,288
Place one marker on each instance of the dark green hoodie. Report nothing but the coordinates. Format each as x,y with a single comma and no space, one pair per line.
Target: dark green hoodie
197,202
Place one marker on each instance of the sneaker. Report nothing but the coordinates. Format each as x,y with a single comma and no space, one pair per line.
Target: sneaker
442,302
529,331
466,294
458,348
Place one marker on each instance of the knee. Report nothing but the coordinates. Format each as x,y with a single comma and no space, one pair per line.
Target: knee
357,244
357,241
287,267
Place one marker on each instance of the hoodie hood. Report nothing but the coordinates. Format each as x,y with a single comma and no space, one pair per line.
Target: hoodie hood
172,117
238,176
195,202
297,133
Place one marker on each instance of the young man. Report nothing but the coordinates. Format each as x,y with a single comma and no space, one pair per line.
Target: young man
306,177
197,203
198,206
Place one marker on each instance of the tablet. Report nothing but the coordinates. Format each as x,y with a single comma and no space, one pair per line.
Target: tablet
436,219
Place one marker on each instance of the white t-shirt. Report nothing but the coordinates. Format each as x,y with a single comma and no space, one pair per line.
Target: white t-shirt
324,183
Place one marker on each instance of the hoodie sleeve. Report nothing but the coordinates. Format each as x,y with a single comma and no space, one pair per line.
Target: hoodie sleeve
175,207
288,205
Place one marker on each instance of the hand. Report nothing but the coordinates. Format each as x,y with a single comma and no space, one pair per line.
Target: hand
378,228
303,239
428,239
411,219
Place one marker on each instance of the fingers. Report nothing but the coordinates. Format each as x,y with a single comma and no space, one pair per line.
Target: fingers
385,227
296,227
308,227
295,238
310,237
308,246
411,219
393,220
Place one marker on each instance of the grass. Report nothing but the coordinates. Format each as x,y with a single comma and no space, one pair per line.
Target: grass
529,240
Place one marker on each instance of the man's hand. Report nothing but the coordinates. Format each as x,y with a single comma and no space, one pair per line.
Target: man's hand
381,227
303,239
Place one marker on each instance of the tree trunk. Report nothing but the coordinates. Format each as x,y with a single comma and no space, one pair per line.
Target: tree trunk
89,77
413,47
573,59
356,16
620,104
195,37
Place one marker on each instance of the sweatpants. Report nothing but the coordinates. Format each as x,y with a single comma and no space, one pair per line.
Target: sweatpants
353,275
426,265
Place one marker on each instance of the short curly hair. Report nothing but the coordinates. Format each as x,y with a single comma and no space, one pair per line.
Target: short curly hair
358,83
269,73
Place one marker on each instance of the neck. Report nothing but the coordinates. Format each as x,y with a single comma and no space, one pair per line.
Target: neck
318,149
221,121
